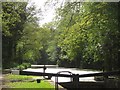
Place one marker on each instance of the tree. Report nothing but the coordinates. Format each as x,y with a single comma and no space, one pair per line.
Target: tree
16,15
13,19
34,42
85,29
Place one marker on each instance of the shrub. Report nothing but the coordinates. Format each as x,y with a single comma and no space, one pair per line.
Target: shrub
24,66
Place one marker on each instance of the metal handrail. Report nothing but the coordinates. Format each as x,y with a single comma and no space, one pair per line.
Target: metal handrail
56,78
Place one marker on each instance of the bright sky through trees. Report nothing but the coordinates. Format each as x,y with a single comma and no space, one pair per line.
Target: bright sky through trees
48,12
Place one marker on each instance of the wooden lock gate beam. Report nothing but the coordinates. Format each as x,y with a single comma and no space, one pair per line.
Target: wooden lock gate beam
112,73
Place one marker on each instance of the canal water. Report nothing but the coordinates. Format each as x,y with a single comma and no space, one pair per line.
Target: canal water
65,79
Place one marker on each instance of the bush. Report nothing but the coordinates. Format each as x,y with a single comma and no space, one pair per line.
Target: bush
24,66
21,67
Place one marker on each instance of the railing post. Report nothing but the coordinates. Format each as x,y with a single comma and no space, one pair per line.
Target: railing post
76,80
44,68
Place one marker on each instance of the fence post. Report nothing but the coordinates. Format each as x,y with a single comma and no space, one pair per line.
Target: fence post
76,80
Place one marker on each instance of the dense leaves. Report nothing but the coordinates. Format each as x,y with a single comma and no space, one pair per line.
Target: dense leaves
90,34
13,19
82,35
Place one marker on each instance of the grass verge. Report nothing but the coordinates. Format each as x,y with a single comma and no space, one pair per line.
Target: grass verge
43,84
20,81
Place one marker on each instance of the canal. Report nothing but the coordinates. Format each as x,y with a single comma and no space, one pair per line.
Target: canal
65,79
77,81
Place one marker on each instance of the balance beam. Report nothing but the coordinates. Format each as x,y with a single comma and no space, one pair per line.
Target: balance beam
42,66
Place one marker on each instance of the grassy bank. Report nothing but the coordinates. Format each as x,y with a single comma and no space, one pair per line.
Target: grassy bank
43,84
22,81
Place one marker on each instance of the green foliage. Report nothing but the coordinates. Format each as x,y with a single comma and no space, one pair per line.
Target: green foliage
16,16
13,14
85,29
24,66
13,19
34,40
84,35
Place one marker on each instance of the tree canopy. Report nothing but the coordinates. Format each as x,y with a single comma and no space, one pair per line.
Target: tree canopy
82,35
